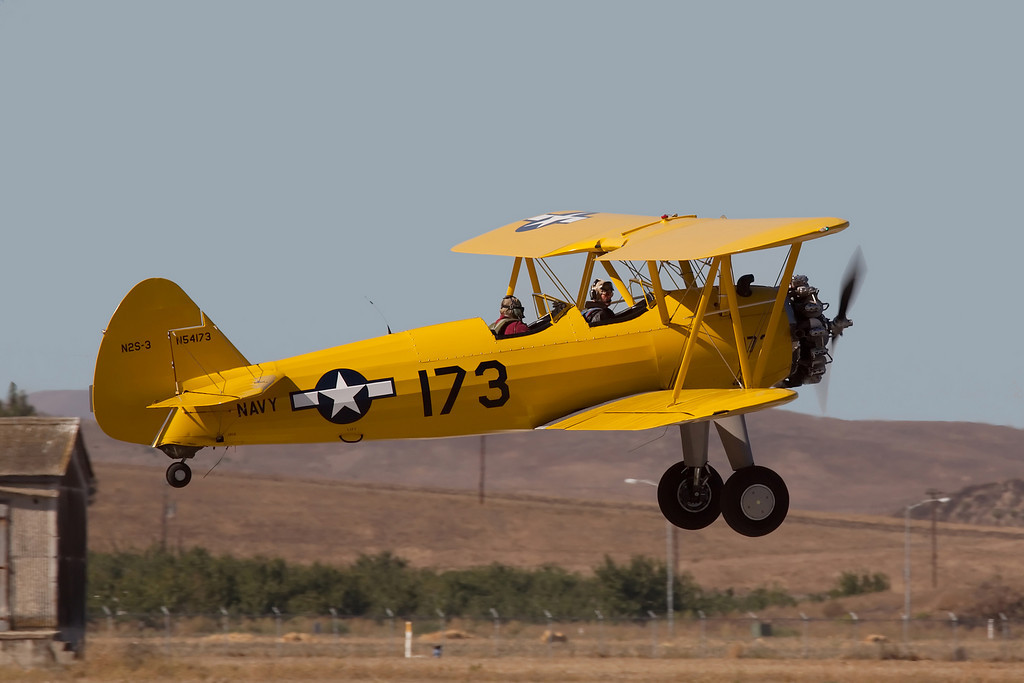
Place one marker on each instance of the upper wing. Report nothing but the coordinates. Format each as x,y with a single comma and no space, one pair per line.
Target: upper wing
646,411
644,238
550,234
686,239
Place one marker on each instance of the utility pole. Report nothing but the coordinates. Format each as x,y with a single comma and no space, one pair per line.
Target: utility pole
934,495
483,451
906,560
166,514
163,524
670,579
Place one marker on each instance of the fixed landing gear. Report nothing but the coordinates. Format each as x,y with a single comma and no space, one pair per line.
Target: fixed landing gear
754,500
179,474
689,497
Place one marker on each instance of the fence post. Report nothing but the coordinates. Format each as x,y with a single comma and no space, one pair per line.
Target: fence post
953,623
408,639
443,627
1005,632
805,620
856,626
551,632
600,632
703,632
654,633
277,627
167,628
391,629
497,630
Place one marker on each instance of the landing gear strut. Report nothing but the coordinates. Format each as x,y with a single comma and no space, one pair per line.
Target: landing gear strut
179,474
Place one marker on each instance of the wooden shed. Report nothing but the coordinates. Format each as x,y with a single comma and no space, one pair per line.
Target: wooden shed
46,485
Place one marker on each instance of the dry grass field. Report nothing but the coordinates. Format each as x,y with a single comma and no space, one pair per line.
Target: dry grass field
334,522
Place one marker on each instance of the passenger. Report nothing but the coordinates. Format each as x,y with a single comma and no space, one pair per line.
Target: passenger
510,320
598,309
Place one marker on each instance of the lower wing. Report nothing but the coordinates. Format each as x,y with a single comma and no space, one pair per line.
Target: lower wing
654,409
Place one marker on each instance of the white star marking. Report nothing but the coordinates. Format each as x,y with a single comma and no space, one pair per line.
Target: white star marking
343,396
546,219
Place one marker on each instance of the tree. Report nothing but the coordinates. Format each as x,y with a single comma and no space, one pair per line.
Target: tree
17,404
632,589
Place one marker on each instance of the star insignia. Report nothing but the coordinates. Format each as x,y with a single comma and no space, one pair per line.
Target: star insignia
343,396
546,219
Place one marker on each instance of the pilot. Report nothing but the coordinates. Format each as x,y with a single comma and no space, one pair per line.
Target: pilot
510,320
598,309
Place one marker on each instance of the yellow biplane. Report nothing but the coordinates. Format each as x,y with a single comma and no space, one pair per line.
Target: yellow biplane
692,345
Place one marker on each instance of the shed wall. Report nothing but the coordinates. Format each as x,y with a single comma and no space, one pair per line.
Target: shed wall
73,551
33,561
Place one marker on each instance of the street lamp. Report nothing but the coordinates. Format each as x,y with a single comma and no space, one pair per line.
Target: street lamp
670,554
906,558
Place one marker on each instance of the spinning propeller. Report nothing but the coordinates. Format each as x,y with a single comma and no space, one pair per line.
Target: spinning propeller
855,270
852,278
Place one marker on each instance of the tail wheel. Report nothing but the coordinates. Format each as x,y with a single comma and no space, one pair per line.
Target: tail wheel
179,474
755,501
689,497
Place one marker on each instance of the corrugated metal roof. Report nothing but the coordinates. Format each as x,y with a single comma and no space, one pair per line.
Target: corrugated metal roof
37,445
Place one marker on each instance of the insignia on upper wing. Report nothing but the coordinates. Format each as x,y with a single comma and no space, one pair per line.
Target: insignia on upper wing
546,219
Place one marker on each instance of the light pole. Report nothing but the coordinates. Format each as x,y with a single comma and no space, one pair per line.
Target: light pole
906,558
670,554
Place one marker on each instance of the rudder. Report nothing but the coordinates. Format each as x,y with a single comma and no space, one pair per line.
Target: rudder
158,343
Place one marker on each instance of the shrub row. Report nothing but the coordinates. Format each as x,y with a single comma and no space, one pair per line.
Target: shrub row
197,582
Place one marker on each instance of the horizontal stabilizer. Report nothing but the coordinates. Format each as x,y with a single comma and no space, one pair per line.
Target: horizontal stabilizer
219,394
654,409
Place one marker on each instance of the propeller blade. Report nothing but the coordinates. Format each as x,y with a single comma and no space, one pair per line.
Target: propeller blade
852,278
855,270
822,391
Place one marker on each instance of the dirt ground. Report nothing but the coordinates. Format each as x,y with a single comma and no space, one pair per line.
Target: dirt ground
118,660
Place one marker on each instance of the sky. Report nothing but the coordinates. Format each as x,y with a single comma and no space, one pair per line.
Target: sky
287,163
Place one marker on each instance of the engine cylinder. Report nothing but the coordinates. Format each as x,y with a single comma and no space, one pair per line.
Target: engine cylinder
810,331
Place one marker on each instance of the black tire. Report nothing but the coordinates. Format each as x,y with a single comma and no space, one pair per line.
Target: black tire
179,475
755,501
686,505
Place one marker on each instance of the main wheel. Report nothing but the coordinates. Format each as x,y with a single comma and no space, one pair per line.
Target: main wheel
689,497
755,500
178,474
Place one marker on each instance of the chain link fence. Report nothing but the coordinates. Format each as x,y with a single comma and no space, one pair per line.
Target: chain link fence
225,634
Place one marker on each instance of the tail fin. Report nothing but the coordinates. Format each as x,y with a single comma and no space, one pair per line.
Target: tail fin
157,345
